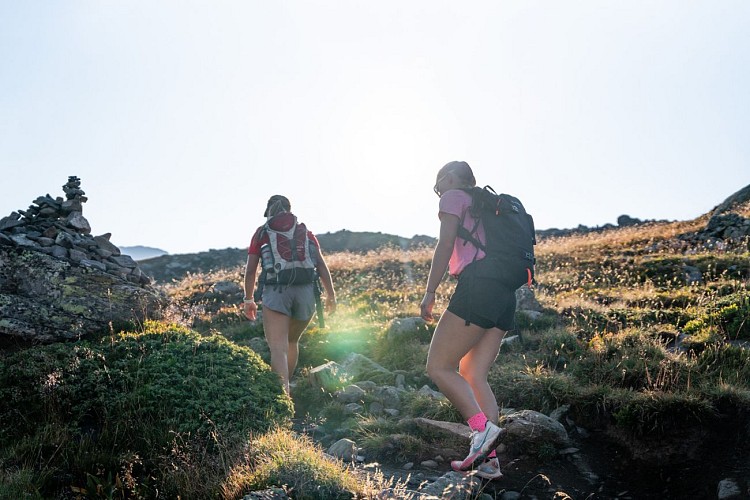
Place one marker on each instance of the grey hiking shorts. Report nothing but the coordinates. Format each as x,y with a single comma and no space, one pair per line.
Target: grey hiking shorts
296,301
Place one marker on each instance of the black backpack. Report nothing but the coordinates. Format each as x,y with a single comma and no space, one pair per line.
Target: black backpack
509,234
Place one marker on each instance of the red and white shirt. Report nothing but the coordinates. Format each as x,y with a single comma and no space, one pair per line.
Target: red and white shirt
281,222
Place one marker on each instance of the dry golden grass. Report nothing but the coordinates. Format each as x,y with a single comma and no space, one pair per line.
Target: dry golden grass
349,261
601,243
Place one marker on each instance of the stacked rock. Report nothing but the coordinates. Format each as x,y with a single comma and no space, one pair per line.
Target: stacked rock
57,227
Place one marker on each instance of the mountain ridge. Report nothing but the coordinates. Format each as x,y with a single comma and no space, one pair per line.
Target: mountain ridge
168,267
140,252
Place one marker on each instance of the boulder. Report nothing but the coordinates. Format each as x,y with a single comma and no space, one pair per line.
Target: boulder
356,365
453,485
406,329
267,494
350,394
388,395
47,299
626,220
326,376
532,427
449,428
728,488
345,449
426,390
526,300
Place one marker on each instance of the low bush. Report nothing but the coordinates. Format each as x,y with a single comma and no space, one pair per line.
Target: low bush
655,413
300,467
131,408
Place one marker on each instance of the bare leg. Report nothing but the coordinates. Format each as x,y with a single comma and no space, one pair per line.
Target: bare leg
451,342
475,366
276,327
296,327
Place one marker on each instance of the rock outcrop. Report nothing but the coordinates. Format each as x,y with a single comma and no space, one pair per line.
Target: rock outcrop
739,198
58,282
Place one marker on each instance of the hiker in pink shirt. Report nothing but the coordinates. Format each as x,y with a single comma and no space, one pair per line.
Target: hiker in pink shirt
470,331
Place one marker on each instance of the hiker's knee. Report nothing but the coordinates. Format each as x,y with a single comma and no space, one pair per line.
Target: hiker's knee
435,370
473,375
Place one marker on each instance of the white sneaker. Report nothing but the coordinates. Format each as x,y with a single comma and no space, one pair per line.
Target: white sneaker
482,443
490,469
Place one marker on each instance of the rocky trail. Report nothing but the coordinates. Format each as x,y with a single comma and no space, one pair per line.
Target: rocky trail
590,469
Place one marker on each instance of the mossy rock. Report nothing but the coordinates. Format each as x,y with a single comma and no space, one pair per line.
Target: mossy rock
45,299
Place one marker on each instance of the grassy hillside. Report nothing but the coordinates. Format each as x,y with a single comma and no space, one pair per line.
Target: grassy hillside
643,335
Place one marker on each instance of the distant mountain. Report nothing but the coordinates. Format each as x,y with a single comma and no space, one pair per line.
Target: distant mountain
363,241
140,252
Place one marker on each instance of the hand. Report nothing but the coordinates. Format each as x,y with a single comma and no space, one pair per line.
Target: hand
425,307
330,304
251,310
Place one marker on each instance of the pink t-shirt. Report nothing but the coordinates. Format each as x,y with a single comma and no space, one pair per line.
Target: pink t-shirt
457,202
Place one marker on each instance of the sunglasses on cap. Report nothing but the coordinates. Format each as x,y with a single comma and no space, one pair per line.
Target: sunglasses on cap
440,179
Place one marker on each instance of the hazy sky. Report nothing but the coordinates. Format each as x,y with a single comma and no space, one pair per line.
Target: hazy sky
182,118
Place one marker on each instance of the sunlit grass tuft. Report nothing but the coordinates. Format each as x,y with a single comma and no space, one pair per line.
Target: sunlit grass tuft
298,465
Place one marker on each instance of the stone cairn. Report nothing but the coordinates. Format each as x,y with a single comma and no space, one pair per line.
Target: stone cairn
57,227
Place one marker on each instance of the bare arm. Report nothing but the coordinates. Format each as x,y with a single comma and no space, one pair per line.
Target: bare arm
251,268
325,278
440,258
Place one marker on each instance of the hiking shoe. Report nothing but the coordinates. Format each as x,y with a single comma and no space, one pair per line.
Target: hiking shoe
482,443
490,469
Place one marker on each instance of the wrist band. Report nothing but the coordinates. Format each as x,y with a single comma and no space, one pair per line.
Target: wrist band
427,291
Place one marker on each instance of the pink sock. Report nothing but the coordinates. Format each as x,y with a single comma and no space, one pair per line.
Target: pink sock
478,422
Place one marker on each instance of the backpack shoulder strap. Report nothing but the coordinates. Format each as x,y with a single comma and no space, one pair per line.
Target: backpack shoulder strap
475,210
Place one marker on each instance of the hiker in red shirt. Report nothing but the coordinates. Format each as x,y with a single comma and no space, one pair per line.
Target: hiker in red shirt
470,331
290,257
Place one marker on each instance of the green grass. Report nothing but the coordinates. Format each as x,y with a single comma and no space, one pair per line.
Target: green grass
169,408
298,465
151,411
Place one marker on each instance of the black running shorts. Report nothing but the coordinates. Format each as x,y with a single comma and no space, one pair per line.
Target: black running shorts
485,302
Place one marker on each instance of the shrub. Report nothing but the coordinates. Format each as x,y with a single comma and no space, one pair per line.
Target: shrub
19,484
559,348
428,407
657,413
385,439
533,387
397,354
295,463
631,360
735,318
544,322
729,317
135,402
725,364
